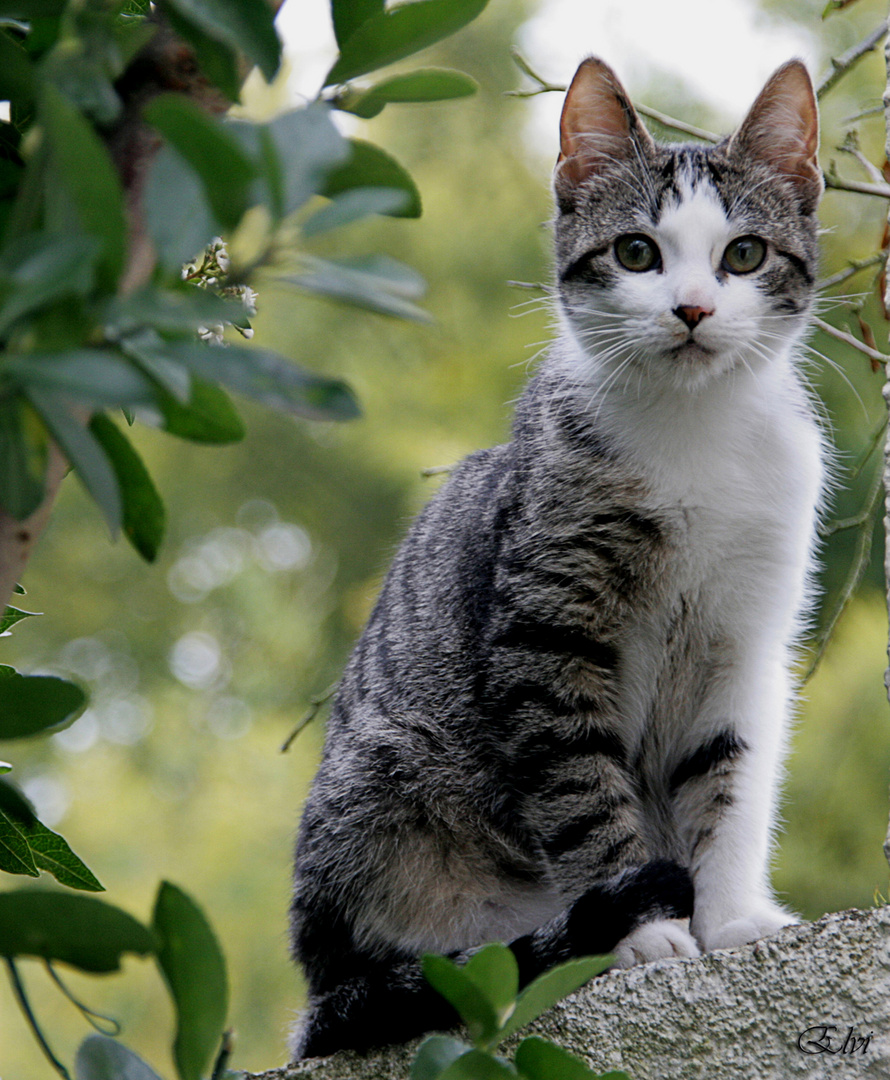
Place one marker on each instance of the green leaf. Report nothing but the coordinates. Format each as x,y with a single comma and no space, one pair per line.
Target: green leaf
14,804
424,84
16,71
194,969
42,268
353,206
102,1058
88,933
538,1059
166,310
83,451
373,282
12,616
495,971
369,166
144,517
23,455
295,153
52,853
216,59
177,216
5,767
348,16
551,987
267,378
210,150
246,25
398,32
208,417
36,704
94,376
480,1065
471,1002
15,851
436,1053
82,167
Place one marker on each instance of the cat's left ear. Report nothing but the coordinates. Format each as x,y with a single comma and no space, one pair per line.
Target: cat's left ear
782,131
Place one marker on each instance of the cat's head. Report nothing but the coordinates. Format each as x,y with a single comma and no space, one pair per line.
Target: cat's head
679,263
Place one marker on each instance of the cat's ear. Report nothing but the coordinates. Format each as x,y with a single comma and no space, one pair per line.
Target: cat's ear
782,131
598,127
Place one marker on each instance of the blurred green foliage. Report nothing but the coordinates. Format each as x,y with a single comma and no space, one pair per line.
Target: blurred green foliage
199,666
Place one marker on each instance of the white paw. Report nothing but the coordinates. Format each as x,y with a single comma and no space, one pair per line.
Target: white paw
661,939
760,924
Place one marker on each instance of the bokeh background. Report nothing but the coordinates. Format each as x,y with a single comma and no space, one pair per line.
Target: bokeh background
200,665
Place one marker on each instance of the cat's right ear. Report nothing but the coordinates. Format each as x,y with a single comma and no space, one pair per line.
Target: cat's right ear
599,127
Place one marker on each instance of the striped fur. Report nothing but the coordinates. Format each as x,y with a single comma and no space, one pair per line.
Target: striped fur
567,710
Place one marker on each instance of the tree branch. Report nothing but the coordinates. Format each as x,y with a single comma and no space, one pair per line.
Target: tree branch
848,339
842,64
854,267
832,180
886,394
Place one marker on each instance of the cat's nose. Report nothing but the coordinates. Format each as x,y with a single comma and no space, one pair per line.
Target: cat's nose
692,316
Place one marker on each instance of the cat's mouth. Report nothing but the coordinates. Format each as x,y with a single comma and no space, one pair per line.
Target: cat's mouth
691,350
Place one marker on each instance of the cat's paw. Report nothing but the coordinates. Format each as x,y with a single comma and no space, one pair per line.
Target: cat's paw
753,927
661,939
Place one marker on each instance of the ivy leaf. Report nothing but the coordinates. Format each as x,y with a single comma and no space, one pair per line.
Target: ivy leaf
13,803
144,516
84,451
36,704
208,416
353,206
88,933
436,1053
23,455
12,616
52,853
400,31
424,84
348,16
83,169
194,968
479,1065
246,25
495,971
177,216
373,282
538,1059
15,851
41,268
551,987
93,376
470,1000
267,378
102,1058
369,166
210,150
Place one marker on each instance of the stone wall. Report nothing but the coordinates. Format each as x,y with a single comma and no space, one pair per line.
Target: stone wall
737,1014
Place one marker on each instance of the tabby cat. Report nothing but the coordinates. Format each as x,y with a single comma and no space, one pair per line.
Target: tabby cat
564,723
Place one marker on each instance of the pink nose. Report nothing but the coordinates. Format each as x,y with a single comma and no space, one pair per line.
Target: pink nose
692,316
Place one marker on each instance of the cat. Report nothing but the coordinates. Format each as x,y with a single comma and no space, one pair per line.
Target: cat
564,723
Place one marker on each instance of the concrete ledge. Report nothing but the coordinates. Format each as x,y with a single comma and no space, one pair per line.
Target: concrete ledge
736,1014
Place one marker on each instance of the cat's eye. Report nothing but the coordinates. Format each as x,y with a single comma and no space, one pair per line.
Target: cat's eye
637,253
744,254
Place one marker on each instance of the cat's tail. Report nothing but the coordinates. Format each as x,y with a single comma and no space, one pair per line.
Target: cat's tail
387,1000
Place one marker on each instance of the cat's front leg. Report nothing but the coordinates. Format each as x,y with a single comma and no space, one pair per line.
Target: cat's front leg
725,792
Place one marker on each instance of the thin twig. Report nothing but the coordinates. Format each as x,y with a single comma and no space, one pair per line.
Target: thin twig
848,339
677,125
832,180
436,470
874,110
840,65
858,567
25,1005
110,1026
850,146
854,267
222,1058
544,86
315,705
